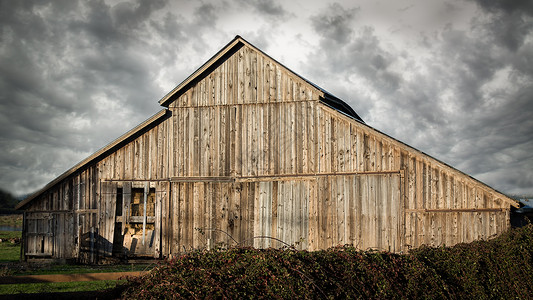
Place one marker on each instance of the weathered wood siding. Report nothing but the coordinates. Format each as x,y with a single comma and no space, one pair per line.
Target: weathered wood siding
439,205
76,219
249,117
250,155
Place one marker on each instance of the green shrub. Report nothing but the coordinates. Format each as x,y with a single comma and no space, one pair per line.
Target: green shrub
500,268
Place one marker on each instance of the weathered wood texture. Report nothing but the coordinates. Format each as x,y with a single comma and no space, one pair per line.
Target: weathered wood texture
438,206
252,156
77,217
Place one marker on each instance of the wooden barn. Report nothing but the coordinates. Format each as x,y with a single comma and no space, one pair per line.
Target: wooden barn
247,152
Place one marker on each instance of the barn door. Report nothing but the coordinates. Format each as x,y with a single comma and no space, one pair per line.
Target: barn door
39,234
107,217
136,229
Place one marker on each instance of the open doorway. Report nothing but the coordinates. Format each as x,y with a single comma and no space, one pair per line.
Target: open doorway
135,221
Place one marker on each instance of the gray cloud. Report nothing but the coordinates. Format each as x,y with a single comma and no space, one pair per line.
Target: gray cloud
334,24
453,80
450,100
76,76
510,21
508,6
347,51
267,8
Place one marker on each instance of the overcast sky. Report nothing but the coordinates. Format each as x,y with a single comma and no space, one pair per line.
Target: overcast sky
451,78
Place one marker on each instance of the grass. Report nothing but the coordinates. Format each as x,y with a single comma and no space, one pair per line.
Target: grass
81,269
10,255
11,220
54,287
9,252
10,234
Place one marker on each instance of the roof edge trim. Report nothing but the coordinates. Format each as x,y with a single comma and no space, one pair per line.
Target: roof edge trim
221,53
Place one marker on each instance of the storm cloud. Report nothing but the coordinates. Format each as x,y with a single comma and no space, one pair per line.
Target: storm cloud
453,79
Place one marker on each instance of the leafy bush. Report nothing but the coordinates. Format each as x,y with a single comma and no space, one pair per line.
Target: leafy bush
500,268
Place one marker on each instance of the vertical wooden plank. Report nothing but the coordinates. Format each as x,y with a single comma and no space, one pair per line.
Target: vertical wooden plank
364,213
248,192
282,212
313,134
340,213
197,214
274,207
208,214
297,208
179,209
348,208
165,219
259,203
306,194
331,226
160,193
225,206
360,150
293,131
110,216
233,222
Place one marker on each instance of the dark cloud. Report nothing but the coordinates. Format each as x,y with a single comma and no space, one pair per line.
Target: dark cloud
346,51
465,97
334,24
133,15
507,6
510,21
76,75
270,9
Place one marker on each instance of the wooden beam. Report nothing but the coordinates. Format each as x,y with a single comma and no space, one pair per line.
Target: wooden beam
135,219
456,210
145,199
202,179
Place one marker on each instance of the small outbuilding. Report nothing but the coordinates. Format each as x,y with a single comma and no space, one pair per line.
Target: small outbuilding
247,152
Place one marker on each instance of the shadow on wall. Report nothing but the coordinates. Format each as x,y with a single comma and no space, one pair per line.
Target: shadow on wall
93,246
523,215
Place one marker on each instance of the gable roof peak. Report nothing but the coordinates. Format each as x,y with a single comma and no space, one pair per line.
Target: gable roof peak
233,46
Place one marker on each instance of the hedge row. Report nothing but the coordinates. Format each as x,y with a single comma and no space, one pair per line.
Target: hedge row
499,268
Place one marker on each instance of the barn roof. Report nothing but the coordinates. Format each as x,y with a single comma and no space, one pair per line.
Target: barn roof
232,47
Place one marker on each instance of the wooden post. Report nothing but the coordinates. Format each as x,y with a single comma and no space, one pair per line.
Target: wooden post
146,190
78,231
92,244
126,200
23,240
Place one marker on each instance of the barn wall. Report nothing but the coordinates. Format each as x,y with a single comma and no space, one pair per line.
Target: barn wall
79,211
59,223
143,158
251,156
247,77
439,205
243,120
309,212
222,127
